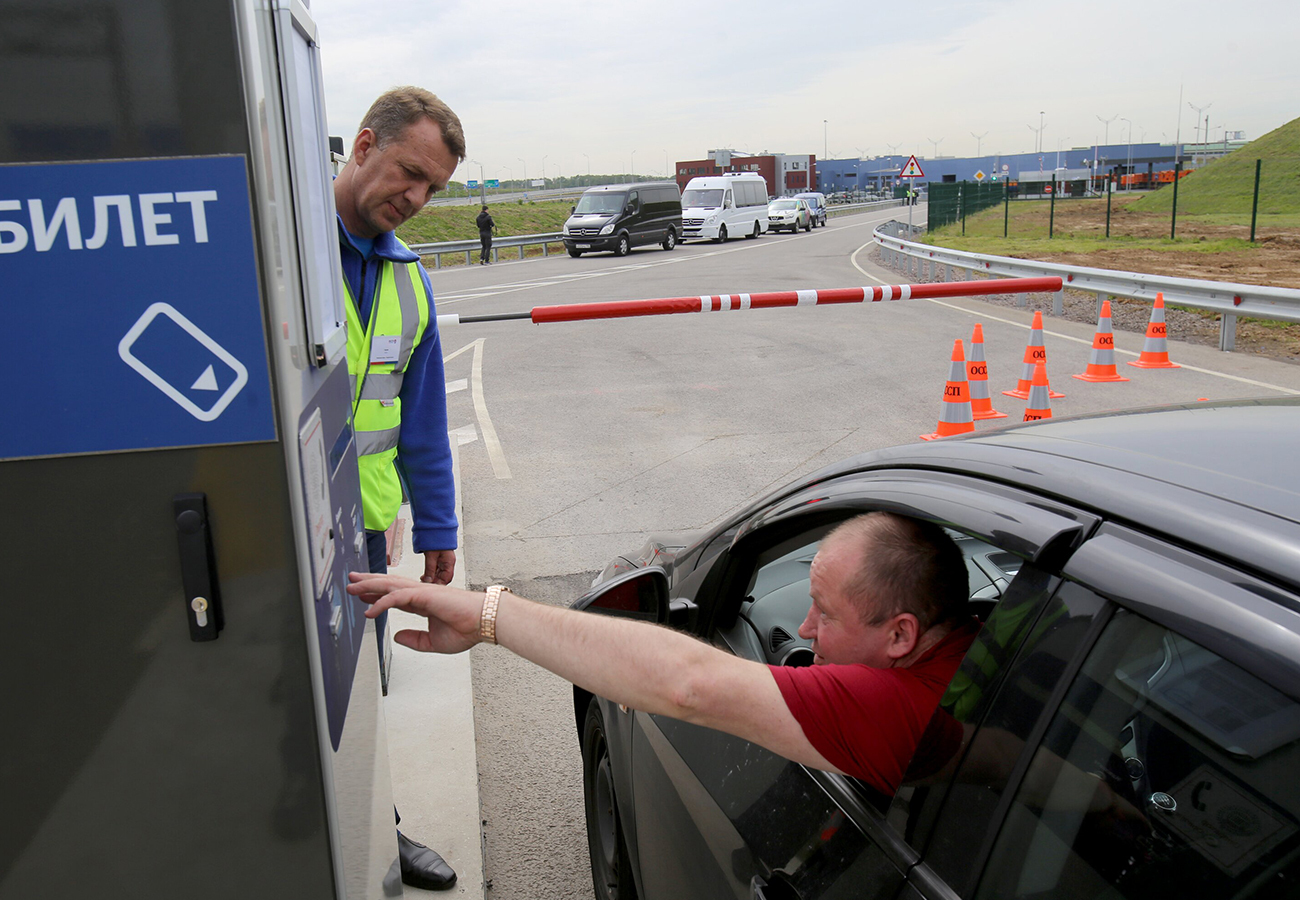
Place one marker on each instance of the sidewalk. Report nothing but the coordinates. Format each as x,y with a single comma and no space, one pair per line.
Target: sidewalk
431,750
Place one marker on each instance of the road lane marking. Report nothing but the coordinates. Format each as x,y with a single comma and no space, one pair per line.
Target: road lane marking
1066,337
495,454
459,384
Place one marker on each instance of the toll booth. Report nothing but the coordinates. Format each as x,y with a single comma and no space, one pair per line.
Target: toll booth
191,703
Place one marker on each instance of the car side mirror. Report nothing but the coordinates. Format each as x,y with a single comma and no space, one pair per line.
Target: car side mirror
639,594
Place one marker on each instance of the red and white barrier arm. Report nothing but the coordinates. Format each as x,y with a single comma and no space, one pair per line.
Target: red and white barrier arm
619,309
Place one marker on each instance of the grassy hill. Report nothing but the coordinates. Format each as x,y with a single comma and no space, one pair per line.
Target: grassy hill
456,223
1225,186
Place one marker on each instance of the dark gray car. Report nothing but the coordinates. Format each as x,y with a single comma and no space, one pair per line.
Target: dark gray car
1128,716
619,217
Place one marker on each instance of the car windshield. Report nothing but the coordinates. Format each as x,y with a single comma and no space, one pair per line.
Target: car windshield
783,204
602,204
698,199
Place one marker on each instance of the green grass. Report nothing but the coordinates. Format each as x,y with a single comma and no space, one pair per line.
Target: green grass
1036,247
1226,185
456,223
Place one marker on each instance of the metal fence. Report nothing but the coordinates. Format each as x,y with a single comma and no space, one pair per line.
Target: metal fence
953,202
1228,299
1239,197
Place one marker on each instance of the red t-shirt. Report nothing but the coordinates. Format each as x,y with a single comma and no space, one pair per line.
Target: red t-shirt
866,721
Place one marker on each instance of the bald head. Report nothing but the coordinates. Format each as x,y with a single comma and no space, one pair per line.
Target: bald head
900,565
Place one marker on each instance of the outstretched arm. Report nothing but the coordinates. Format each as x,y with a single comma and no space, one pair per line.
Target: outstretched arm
649,668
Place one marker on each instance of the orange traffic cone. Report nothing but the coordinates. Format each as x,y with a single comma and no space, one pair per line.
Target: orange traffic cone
1101,364
977,372
1035,352
1039,405
1155,349
956,417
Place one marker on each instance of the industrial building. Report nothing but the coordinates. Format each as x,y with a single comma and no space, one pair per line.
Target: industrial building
784,173
881,172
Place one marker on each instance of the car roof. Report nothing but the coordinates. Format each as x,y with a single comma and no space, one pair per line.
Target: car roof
627,187
1218,477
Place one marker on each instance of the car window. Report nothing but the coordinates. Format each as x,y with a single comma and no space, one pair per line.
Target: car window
1167,772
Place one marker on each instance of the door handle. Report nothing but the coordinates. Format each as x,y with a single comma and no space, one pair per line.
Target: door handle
198,568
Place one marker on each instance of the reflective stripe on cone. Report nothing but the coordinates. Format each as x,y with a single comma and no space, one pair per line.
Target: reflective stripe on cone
1101,363
1039,405
1155,349
977,373
1035,352
956,416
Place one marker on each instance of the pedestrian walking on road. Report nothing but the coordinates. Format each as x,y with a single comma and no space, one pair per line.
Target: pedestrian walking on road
485,228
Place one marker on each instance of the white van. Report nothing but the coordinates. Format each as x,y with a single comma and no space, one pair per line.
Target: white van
722,206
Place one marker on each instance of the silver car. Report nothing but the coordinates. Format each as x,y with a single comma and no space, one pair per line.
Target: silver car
789,213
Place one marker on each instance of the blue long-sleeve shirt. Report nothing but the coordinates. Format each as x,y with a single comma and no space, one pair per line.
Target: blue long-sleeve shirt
423,451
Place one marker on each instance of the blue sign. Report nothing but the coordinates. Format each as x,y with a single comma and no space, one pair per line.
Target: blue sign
471,184
131,307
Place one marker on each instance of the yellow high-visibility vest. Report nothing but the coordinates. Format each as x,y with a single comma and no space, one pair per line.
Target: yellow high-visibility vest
400,310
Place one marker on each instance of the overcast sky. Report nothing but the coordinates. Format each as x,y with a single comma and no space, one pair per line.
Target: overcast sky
569,84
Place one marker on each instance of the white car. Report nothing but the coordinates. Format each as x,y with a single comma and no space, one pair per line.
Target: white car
789,212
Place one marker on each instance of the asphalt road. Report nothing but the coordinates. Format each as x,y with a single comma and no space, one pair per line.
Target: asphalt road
579,439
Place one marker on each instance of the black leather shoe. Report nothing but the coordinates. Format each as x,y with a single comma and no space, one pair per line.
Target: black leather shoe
422,867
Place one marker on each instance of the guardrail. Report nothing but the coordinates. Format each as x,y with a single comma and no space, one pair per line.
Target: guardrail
1228,299
838,208
520,241
471,247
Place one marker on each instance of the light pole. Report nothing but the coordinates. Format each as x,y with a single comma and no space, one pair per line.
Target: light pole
632,168
1200,111
1060,141
521,159
482,185
825,152
510,172
1129,164
979,141
1106,122
936,145
1038,136
1041,126
544,171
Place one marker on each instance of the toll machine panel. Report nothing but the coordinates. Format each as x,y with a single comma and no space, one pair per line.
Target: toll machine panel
191,701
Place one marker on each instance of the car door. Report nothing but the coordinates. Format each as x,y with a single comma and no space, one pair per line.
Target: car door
716,816
1158,762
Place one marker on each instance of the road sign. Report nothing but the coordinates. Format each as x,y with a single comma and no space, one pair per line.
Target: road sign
979,175
493,183
132,306
1006,168
912,169
471,184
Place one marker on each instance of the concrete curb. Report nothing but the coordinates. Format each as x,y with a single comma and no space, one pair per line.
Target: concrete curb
432,754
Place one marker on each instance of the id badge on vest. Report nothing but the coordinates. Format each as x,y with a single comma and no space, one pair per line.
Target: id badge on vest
384,349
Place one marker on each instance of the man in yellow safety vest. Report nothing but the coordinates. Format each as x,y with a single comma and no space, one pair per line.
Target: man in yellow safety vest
409,144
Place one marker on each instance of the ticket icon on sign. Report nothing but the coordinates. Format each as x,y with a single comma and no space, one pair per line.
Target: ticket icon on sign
184,362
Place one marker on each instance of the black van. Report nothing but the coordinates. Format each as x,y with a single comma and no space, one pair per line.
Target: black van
619,217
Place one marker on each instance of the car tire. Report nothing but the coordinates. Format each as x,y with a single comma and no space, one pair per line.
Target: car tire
623,247
758,229
670,239
722,234
611,869
575,253
808,227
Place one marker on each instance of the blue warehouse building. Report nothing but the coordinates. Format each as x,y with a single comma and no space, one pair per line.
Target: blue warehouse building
879,173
